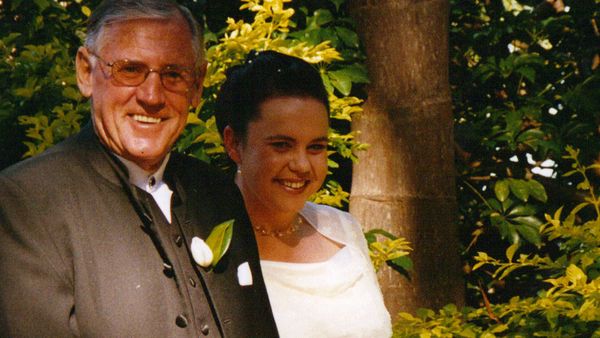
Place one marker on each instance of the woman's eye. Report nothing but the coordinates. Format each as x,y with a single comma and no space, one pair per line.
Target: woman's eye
316,148
280,145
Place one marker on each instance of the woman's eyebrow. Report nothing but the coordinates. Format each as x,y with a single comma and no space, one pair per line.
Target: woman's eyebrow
279,137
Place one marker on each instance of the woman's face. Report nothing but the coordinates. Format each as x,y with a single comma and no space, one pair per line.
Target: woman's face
284,157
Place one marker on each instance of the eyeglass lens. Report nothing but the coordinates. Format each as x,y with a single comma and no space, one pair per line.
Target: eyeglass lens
131,73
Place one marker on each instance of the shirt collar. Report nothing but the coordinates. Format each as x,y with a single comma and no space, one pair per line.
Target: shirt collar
143,179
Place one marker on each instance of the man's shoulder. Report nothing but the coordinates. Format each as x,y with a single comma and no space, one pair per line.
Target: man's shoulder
54,162
46,163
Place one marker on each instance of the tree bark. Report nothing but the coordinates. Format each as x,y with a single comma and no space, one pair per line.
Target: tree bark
405,181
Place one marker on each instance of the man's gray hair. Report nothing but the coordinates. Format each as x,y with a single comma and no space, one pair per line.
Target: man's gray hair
111,11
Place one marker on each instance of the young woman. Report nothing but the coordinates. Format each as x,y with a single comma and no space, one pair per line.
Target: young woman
273,114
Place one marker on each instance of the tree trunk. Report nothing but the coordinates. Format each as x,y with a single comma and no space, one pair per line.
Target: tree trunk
405,181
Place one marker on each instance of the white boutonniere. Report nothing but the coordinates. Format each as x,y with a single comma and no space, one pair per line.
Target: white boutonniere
208,253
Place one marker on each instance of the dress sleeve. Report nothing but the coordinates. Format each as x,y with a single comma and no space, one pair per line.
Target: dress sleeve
338,225
35,299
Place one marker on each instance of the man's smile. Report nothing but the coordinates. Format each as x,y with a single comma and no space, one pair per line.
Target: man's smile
146,119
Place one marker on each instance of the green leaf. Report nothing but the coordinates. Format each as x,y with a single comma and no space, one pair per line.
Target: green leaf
528,73
219,239
338,3
341,81
585,185
86,11
71,93
356,72
382,232
530,135
507,204
537,190
530,234
15,4
522,210
528,220
510,251
350,38
370,237
323,17
501,189
42,4
327,82
403,262
519,188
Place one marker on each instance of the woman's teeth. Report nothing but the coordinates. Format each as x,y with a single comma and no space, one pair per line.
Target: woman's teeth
146,119
294,185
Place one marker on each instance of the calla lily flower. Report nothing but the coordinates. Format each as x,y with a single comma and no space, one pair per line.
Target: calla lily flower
202,254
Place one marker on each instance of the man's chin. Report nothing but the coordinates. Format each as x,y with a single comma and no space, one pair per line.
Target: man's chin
149,161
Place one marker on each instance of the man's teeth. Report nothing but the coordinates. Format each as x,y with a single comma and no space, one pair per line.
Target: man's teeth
294,185
146,119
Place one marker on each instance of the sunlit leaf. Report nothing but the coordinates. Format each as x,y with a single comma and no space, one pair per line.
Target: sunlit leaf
501,189
220,239
519,188
537,190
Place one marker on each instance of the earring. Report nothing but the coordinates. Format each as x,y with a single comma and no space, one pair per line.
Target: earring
239,170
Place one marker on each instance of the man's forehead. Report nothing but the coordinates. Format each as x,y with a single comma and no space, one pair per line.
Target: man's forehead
146,33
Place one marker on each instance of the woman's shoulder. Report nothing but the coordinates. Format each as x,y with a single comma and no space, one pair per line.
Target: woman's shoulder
331,222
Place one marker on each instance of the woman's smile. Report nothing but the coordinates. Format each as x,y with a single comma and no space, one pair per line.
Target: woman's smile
293,185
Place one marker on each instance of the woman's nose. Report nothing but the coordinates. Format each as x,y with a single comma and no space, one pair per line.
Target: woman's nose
300,163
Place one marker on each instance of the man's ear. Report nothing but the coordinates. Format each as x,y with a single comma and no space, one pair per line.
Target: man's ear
196,94
232,145
83,68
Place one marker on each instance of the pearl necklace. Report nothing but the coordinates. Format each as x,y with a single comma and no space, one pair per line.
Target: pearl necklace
280,233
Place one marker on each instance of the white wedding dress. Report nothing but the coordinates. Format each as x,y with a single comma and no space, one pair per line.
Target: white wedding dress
339,297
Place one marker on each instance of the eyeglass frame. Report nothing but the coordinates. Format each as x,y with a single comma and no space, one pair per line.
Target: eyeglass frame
149,70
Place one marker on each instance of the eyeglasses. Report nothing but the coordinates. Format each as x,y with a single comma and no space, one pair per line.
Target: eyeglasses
129,73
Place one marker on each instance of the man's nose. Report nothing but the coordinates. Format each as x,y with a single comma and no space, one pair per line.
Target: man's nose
151,92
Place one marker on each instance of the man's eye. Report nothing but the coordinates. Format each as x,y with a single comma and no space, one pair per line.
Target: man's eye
132,68
172,75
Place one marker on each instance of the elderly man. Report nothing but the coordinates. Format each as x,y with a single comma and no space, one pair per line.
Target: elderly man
95,234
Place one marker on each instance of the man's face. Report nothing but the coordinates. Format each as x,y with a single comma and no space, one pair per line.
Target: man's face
139,123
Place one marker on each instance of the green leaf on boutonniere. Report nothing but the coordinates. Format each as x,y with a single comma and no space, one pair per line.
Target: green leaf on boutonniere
219,239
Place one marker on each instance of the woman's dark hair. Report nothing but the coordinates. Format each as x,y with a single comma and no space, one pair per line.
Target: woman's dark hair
264,75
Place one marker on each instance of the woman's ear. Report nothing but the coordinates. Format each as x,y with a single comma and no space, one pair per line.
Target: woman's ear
83,67
232,144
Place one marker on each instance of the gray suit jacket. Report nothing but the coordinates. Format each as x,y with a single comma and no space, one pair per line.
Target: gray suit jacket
80,256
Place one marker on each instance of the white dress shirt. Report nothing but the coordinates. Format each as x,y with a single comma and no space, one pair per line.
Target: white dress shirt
151,183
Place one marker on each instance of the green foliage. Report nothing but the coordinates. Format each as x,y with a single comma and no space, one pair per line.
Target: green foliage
568,304
525,84
36,74
392,251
